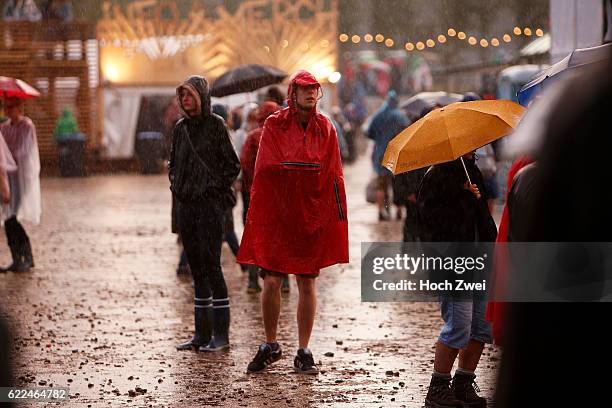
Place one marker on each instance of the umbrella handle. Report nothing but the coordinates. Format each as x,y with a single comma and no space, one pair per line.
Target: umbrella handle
466,172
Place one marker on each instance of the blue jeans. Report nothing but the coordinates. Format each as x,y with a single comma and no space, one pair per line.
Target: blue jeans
464,320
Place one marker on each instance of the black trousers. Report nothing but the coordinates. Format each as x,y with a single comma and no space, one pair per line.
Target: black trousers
201,228
15,234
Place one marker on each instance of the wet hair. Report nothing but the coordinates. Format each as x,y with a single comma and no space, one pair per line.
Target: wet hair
274,94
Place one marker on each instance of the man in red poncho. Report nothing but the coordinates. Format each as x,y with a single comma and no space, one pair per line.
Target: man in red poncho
296,223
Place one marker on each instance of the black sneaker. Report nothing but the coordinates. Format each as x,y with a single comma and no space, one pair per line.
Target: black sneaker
464,387
304,362
264,357
440,394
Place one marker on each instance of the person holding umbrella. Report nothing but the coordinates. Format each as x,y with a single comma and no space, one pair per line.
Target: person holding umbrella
19,134
450,208
296,223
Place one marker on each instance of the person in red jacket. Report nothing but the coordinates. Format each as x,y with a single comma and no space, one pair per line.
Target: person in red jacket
296,223
247,161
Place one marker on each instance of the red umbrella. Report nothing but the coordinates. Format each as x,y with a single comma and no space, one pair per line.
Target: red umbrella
16,88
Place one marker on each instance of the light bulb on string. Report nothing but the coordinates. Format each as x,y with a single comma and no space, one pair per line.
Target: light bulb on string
539,32
355,39
409,46
472,41
451,32
517,31
507,38
441,39
343,38
379,38
495,42
368,38
420,46
461,35
527,31
484,43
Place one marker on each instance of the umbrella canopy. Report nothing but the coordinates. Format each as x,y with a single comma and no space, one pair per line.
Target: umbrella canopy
417,103
576,59
16,88
448,133
246,78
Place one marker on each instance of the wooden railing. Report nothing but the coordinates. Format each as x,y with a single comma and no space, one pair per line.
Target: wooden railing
56,58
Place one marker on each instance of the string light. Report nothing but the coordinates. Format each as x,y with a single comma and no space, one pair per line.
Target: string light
284,43
430,42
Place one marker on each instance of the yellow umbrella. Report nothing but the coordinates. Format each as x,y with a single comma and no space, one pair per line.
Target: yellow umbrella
448,133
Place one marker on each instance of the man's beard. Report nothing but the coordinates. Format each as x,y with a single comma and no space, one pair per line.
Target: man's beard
304,108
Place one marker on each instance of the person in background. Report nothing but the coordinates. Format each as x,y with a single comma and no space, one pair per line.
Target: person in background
20,136
229,233
487,163
234,118
347,132
21,10
248,123
274,94
7,165
386,123
247,161
58,10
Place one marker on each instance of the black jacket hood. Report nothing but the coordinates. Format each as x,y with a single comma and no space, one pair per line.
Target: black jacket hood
198,87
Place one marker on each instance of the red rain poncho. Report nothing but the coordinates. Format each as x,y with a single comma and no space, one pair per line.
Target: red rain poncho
296,223
496,310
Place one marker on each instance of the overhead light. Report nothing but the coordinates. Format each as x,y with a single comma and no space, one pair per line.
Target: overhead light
334,77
